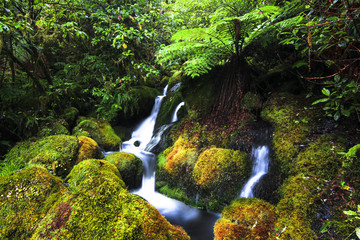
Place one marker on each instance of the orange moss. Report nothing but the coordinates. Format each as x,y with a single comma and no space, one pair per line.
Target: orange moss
246,219
218,166
88,149
181,157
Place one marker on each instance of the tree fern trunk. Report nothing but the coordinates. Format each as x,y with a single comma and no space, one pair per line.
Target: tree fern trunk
234,85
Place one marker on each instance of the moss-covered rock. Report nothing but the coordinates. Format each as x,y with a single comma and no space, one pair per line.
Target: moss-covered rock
292,122
246,219
220,168
25,198
53,127
101,208
297,208
88,149
321,159
58,153
130,168
100,131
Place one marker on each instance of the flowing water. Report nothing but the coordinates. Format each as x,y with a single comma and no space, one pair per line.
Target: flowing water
198,224
261,159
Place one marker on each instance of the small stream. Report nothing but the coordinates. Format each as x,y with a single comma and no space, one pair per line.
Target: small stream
197,223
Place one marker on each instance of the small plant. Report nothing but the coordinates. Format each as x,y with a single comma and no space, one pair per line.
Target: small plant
340,98
354,215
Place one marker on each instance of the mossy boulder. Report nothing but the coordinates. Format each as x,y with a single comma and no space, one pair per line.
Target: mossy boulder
292,124
58,153
100,131
99,207
246,219
297,207
321,159
130,168
53,127
25,198
219,167
180,158
88,149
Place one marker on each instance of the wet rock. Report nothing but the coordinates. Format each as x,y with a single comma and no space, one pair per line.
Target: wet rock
129,166
100,131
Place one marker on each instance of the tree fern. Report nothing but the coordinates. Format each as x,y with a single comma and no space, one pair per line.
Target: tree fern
198,50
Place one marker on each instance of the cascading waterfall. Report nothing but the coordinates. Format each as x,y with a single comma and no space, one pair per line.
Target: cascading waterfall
197,223
261,159
175,117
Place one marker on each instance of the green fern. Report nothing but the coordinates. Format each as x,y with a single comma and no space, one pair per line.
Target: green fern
198,50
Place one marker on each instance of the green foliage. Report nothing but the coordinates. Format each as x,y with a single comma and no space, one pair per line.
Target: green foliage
200,49
341,98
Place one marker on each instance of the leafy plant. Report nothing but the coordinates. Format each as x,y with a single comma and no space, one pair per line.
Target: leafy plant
341,98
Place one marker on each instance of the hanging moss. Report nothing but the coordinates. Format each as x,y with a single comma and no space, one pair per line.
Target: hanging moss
246,219
25,198
130,168
101,208
100,131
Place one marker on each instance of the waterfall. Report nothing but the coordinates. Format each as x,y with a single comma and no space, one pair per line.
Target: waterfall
261,159
174,117
198,224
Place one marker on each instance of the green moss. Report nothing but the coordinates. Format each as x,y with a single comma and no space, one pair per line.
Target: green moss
297,208
144,97
321,158
88,173
217,167
168,106
103,209
246,219
292,123
88,149
54,127
352,161
129,166
175,193
25,198
251,101
100,131
58,153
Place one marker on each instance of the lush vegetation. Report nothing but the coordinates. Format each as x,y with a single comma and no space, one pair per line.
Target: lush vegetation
75,76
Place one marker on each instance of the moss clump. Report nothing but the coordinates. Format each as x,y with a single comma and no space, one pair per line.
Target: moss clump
352,161
25,198
101,208
246,219
180,158
100,131
321,158
54,127
218,168
58,153
297,208
88,149
168,106
292,123
130,168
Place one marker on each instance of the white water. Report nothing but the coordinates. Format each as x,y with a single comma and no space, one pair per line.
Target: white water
261,159
197,223
175,117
